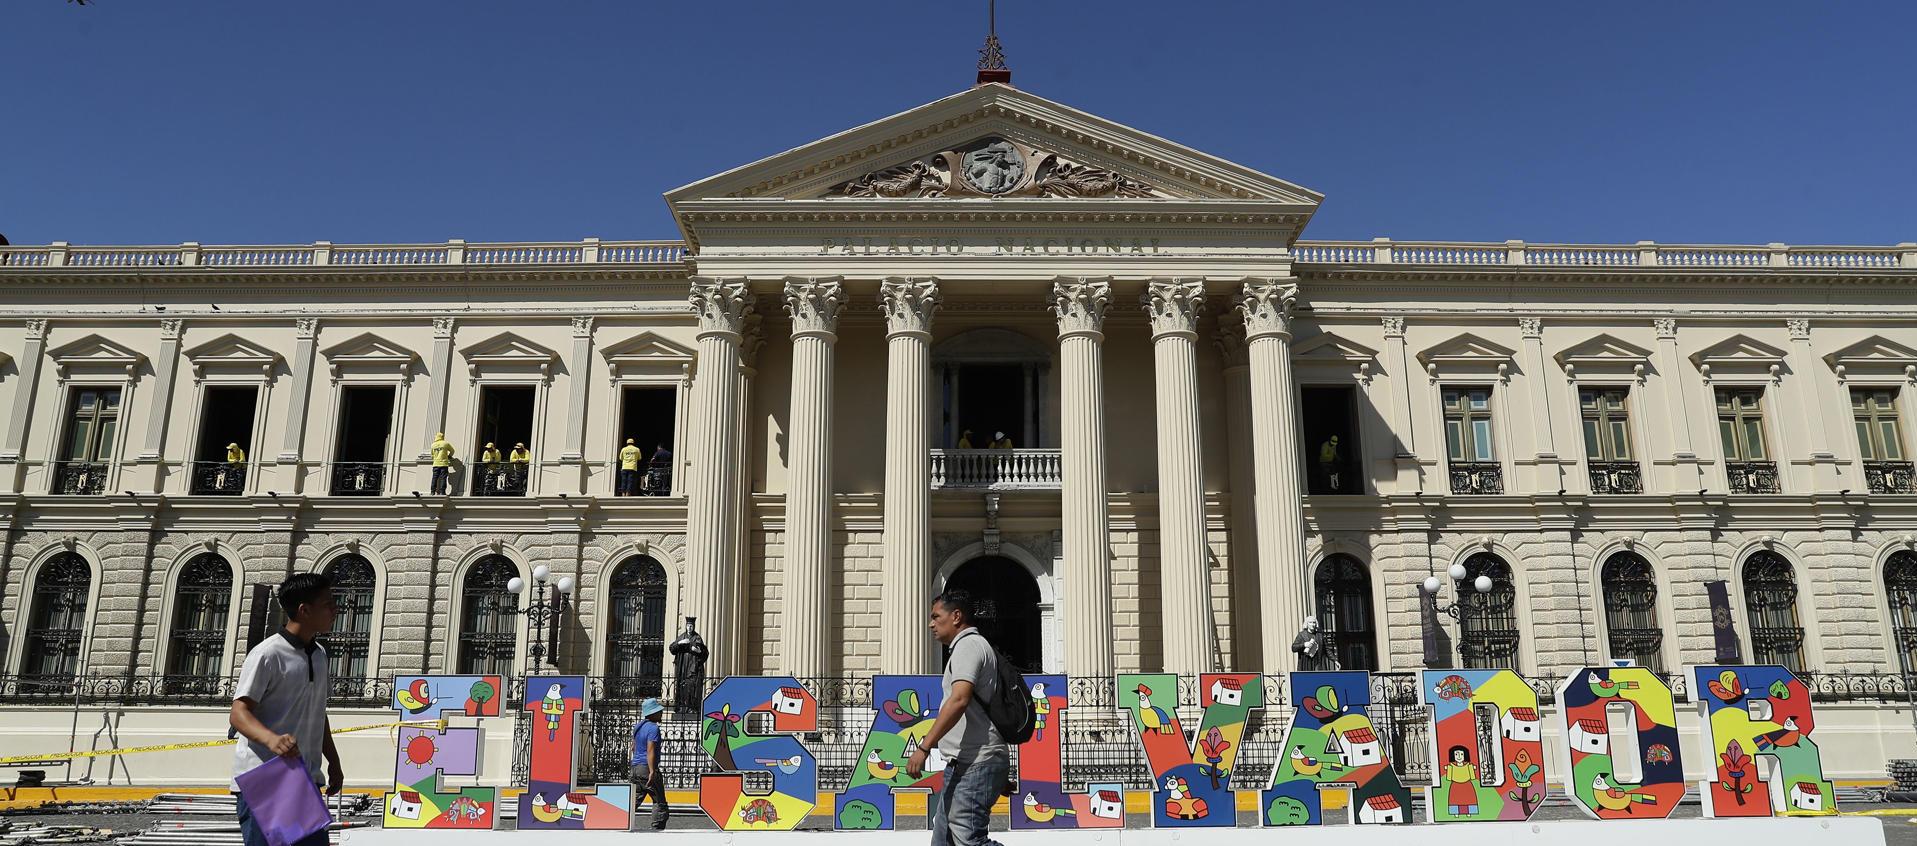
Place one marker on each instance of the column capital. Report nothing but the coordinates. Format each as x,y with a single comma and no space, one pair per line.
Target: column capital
306,327
909,305
1531,327
1079,302
1230,338
170,329
582,326
1666,327
1266,304
814,305
1174,306
1393,326
722,305
442,327
37,329
1799,328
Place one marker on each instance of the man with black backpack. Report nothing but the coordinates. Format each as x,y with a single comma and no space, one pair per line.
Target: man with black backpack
978,695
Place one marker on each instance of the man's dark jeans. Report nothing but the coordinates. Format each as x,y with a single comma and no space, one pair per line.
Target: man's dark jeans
250,832
962,810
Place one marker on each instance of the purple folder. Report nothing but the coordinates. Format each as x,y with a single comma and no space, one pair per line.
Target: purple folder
286,804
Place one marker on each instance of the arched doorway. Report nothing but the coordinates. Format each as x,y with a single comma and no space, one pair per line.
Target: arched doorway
1006,599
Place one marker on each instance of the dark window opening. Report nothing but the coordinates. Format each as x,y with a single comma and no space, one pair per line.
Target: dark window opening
983,400
1630,610
488,620
365,435
1487,622
226,440
347,644
57,624
504,439
1344,612
201,599
646,417
1770,603
1900,583
1329,418
1005,602
636,631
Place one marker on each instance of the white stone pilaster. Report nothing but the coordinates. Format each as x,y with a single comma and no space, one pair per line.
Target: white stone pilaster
1408,470
305,344
1266,305
814,307
1802,360
1079,304
166,368
909,306
578,369
32,354
712,492
1185,593
441,382
1550,469
1686,475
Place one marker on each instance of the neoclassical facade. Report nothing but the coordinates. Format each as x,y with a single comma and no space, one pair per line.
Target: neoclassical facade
993,342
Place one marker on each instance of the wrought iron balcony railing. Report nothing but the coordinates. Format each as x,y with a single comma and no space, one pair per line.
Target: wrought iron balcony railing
218,478
999,469
500,479
358,478
1752,477
1477,478
1890,477
1615,477
79,478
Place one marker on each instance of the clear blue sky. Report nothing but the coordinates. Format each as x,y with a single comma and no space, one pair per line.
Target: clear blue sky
254,121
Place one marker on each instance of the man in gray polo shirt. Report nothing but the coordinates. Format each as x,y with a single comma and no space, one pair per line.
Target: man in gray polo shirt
978,757
279,707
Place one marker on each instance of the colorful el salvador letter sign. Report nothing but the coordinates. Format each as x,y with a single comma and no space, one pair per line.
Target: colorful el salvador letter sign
1641,777
554,704
1042,801
1332,741
1192,783
1487,723
904,708
425,754
1753,712
795,773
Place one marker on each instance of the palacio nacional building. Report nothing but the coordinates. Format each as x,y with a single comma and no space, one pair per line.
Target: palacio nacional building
1106,382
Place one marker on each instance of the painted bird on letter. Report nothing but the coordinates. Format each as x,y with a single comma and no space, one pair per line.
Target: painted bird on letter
879,768
1612,799
1303,764
1786,736
1152,717
785,765
1039,812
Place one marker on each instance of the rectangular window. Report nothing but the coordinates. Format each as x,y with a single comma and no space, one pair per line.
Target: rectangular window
1467,424
1878,434
646,418
505,440
226,439
1328,418
1607,431
95,414
365,433
1740,423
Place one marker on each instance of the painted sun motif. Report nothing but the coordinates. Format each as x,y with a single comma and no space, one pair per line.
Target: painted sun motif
420,750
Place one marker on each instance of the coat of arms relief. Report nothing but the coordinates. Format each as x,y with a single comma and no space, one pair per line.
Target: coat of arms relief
993,167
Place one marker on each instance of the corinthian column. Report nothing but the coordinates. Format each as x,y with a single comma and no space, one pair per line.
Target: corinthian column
814,306
1185,590
908,304
712,492
1080,307
1266,305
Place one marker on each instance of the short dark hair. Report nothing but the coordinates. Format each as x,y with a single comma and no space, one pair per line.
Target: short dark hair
301,588
960,601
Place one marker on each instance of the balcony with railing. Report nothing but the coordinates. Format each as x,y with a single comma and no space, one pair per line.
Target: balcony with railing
500,479
997,469
1752,477
358,478
1477,478
218,478
79,478
1615,477
589,251
1518,254
1890,477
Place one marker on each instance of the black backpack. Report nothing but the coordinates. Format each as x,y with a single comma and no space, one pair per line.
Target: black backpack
1011,711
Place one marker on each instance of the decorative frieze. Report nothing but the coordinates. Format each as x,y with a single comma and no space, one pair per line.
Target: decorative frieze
1079,303
993,167
1174,305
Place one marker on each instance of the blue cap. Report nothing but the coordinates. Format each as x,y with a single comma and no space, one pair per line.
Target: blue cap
650,707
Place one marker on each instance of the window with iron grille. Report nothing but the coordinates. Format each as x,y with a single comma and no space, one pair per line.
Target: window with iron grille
636,631
1770,603
58,620
1488,622
1630,610
201,598
1607,431
1467,424
1900,585
1878,435
488,621
1740,423
1344,612
348,644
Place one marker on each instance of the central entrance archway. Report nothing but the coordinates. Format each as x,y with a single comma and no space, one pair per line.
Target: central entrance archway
1007,602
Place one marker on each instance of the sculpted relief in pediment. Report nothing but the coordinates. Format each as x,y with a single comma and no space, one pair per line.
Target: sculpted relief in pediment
993,167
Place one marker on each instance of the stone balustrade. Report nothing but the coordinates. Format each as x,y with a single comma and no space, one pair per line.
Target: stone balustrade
590,251
1641,254
1001,469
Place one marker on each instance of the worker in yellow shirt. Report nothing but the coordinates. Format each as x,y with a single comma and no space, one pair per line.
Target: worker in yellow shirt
629,469
233,474
442,453
490,455
520,455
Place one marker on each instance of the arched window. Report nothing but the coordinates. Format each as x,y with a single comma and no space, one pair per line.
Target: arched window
1344,612
201,598
1630,610
1770,603
488,620
1488,622
348,644
58,619
636,629
1900,584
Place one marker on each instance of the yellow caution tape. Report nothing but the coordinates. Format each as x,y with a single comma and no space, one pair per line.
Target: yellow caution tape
202,744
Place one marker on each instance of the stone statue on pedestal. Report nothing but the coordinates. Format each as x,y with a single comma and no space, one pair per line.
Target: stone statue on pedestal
1309,646
689,668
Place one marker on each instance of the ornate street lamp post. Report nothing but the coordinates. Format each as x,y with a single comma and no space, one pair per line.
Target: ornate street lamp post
1437,654
545,606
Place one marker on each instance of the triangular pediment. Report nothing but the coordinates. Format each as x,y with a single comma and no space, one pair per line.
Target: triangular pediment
231,352
507,352
1058,152
368,352
646,353
1329,348
1875,353
1738,351
95,352
1604,353
1465,348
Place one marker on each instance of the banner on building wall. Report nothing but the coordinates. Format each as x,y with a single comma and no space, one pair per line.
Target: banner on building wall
1723,623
